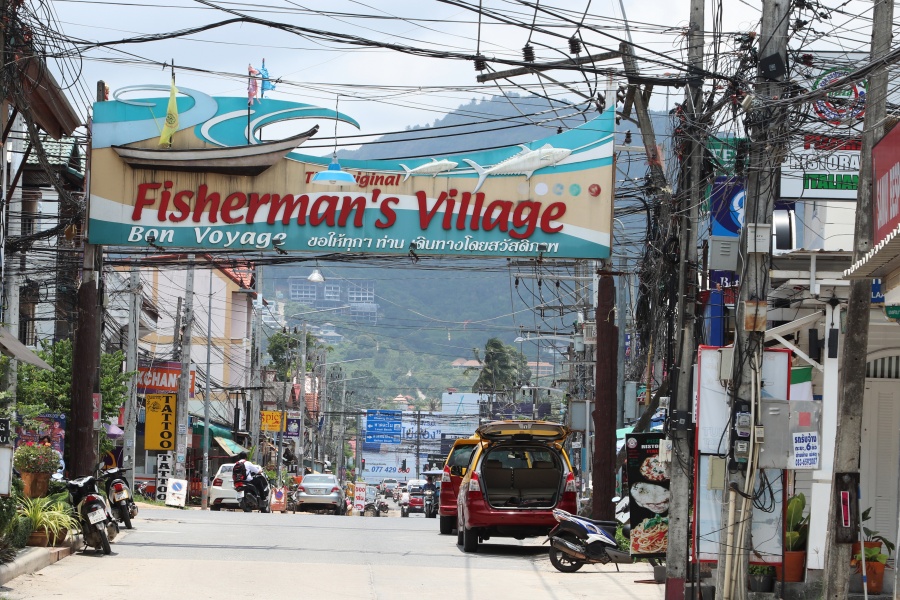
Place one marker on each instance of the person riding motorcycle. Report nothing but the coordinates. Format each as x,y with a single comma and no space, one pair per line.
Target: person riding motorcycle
429,485
252,471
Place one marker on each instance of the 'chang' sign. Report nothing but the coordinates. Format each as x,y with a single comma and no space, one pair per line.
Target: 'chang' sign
214,191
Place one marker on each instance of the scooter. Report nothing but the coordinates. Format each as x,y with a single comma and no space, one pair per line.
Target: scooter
118,492
249,497
382,507
97,524
404,505
578,541
430,512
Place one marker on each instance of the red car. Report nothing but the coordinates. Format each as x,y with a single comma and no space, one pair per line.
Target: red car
454,468
417,502
518,474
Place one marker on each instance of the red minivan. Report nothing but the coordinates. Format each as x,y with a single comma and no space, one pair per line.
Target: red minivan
454,469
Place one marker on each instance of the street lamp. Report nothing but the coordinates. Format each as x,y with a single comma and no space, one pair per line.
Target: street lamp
577,339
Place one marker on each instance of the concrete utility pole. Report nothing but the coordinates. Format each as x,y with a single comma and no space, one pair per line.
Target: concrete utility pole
604,470
301,378
767,133
131,365
681,467
252,420
853,370
184,381
204,489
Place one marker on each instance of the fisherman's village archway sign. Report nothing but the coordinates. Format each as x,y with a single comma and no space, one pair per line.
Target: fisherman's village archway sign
213,191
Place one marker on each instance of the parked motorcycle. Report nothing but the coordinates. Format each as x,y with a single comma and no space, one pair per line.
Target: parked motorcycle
118,492
430,505
249,496
97,524
577,541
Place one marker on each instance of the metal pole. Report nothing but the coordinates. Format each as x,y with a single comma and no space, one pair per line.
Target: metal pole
252,419
204,490
301,453
281,431
184,382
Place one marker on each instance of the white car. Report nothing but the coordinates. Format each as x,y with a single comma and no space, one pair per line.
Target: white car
221,491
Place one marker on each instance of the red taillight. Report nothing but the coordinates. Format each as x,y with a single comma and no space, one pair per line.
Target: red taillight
570,483
119,487
300,488
445,476
474,487
217,482
335,489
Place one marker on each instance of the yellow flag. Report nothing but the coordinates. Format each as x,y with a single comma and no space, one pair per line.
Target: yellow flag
171,126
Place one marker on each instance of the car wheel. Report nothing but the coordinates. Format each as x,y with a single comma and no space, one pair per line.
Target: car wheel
446,525
337,511
470,540
459,535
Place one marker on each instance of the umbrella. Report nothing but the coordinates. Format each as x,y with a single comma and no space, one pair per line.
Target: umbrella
113,431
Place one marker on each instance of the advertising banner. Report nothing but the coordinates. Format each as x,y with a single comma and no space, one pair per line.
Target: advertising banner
648,489
212,190
159,428
271,420
161,378
886,174
164,463
824,163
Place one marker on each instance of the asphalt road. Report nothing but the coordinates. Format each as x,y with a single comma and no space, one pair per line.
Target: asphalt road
197,554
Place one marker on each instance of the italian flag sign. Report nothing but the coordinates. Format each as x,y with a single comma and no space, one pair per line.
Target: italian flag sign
801,383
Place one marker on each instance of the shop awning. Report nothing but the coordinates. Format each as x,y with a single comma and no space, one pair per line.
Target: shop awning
230,447
214,430
13,348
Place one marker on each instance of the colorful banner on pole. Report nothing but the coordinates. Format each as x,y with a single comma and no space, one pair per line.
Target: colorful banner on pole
648,481
214,191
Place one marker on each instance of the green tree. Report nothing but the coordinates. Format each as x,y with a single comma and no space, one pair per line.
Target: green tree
284,347
503,370
42,391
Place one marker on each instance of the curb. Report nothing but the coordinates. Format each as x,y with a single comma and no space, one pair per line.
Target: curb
33,559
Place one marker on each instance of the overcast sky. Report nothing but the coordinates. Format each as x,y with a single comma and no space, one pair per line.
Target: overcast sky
383,89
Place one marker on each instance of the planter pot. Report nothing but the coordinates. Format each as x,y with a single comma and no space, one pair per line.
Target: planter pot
761,583
794,565
854,549
38,538
59,539
35,484
874,576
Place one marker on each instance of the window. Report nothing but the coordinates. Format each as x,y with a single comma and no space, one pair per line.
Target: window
303,292
361,291
332,291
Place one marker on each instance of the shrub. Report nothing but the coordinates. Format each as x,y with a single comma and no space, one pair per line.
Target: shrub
19,530
35,458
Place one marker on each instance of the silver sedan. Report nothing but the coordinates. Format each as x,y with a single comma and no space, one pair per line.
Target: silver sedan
318,492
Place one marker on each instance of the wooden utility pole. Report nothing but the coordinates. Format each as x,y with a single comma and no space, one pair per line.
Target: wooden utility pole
604,415
853,362
767,131
681,468
86,351
184,380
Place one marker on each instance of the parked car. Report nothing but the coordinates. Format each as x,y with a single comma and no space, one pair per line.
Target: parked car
221,492
454,468
518,474
319,491
387,486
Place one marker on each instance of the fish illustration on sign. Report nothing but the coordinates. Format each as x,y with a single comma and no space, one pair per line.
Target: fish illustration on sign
432,168
524,163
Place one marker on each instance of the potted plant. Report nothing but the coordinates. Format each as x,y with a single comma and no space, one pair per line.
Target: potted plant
35,463
795,536
51,520
761,578
875,562
873,539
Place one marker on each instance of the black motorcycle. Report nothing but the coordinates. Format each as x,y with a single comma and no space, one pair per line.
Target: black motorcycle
382,507
430,504
97,524
253,493
119,494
